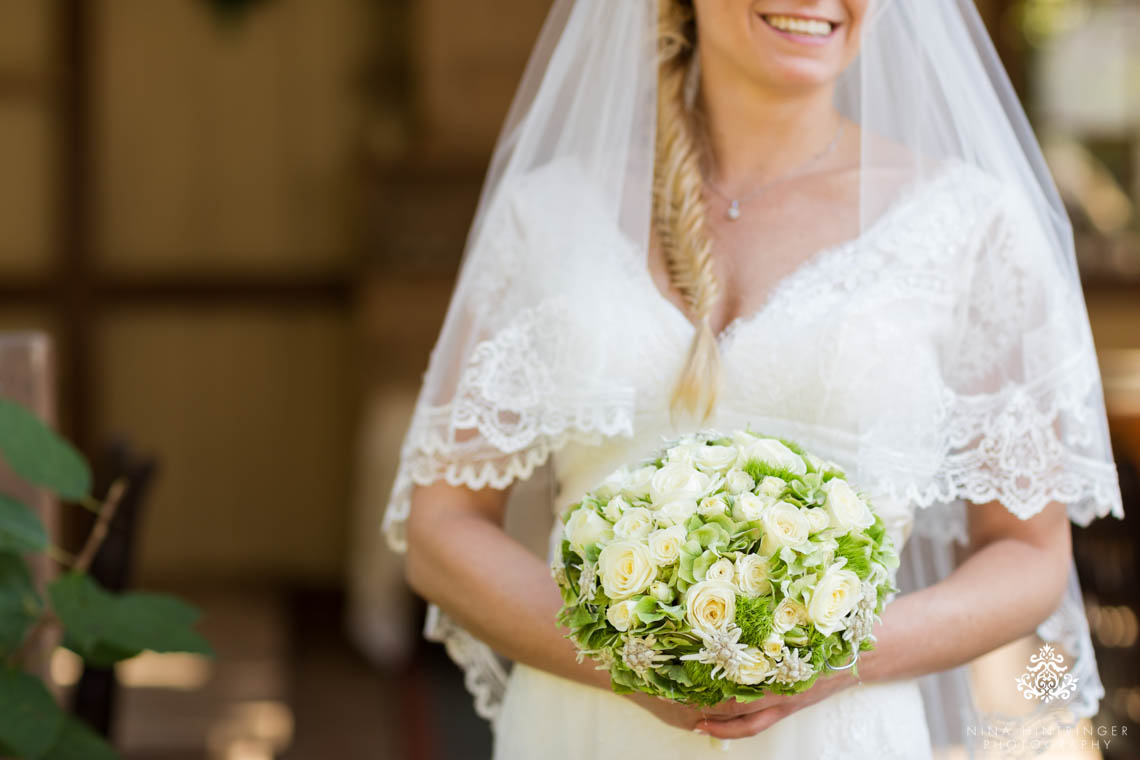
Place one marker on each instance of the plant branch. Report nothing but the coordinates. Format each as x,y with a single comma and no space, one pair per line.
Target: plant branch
102,520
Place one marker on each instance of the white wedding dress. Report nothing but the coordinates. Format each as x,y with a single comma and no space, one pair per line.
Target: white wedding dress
871,314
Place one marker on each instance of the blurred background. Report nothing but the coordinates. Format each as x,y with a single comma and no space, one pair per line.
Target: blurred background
237,224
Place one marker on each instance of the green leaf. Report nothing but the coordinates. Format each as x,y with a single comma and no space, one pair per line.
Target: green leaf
30,720
39,455
20,528
104,628
19,603
78,742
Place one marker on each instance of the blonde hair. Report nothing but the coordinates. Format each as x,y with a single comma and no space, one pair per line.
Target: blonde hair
679,207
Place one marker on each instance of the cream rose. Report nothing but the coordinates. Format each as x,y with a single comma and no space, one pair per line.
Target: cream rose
677,480
710,605
755,669
784,525
715,459
636,522
749,506
774,454
751,575
788,614
772,486
675,512
721,570
626,568
621,615
835,595
711,506
665,544
661,591
847,511
586,528
613,483
738,481
683,452
637,484
817,518
773,645
614,508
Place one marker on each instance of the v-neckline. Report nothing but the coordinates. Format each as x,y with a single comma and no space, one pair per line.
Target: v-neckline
906,197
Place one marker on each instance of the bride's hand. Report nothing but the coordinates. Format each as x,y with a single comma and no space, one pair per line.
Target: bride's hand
682,716
735,720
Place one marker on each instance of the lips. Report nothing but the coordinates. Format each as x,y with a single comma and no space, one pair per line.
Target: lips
800,26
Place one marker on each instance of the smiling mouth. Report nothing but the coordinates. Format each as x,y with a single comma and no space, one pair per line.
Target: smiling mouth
798,25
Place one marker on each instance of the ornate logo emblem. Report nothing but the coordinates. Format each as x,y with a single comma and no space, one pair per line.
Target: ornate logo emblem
1046,677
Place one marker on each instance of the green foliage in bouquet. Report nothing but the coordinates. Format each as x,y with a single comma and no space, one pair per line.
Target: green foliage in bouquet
101,627
723,566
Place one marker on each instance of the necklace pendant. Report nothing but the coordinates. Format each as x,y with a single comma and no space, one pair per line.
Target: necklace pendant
733,212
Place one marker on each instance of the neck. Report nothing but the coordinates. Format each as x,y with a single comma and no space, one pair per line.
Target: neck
759,134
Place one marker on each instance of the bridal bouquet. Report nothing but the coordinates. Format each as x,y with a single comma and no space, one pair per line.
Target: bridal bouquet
725,566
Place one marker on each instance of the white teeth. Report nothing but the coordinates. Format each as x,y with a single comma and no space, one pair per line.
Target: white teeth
800,25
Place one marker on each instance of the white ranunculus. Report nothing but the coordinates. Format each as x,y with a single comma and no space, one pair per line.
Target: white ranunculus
817,518
614,508
738,481
788,614
847,511
773,645
751,575
613,483
784,525
675,512
835,595
715,459
721,570
626,568
749,506
711,506
677,481
665,544
586,528
773,453
710,605
635,522
621,615
755,669
772,486
637,484
661,591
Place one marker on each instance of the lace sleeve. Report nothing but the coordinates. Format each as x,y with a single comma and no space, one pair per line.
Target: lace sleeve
1024,420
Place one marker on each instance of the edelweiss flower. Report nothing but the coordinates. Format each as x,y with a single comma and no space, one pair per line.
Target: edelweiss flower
641,656
792,668
722,649
588,581
558,570
862,619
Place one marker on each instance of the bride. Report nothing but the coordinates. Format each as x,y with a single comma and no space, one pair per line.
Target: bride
825,219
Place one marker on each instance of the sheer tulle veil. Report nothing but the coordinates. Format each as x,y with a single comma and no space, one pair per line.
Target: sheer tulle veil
1018,415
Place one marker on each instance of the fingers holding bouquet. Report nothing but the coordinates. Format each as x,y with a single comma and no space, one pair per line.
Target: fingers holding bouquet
726,573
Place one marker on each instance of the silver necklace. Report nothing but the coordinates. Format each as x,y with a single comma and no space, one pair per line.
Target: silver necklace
732,213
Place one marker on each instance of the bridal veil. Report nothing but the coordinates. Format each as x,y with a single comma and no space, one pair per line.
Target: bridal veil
1019,413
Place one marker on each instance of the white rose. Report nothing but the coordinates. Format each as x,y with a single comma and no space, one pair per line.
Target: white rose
634,523
626,568
772,486
677,481
614,508
775,454
817,518
835,595
750,507
715,459
711,506
721,570
665,544
613,483
710,605
676,512
661,591
586,528
683,452
751,575
847,511
742,438
755,669
788,614
784,525
738,481
637,485
773,645
621,615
